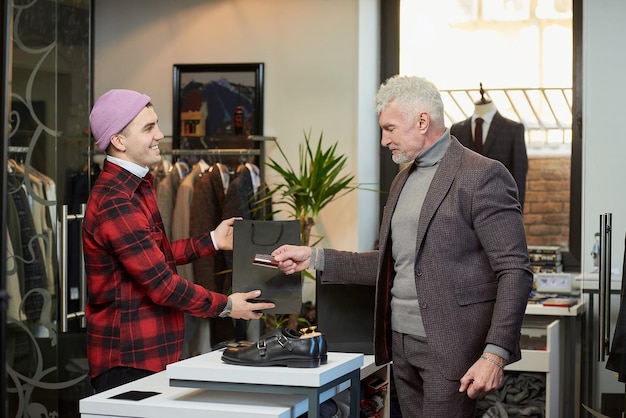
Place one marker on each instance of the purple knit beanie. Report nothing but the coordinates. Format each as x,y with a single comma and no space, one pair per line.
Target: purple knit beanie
112,112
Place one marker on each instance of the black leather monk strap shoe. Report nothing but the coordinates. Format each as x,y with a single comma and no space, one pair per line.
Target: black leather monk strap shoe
277,349
311,332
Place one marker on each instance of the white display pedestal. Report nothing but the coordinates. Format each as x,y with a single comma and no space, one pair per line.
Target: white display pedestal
208,371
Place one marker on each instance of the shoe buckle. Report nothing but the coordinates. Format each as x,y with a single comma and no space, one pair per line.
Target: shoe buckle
260,345
284,342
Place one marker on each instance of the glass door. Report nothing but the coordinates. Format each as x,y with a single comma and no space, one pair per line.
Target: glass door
48,175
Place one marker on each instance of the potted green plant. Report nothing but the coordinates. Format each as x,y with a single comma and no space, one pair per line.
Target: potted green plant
314,183
306,189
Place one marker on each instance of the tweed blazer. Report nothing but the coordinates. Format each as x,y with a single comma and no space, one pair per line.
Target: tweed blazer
504,142
205,215
472,271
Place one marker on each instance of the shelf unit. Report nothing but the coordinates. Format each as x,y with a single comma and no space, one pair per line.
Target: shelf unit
371,369
557,361
543,361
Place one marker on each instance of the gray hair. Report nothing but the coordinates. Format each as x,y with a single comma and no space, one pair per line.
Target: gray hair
413,94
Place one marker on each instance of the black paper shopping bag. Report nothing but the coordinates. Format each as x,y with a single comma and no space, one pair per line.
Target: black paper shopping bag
252,241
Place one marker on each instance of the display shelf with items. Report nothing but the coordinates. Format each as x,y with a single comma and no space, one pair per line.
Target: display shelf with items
551,348
554,290
545,259
375,400
570,311
537,371
540,345
547,378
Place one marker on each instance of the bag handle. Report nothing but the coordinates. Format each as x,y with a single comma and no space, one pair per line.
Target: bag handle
259,237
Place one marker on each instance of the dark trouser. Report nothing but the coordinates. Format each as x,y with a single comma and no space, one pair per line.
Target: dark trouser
422,390
117,376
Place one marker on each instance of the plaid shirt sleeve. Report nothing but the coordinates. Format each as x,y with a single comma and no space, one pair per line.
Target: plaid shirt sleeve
135,296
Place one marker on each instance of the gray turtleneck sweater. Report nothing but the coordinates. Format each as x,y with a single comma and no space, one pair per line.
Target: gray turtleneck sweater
405,313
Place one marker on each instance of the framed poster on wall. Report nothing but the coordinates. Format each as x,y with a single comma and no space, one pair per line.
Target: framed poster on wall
214,103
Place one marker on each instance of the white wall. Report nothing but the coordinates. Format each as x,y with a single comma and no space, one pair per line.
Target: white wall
321,72
604,170
604,107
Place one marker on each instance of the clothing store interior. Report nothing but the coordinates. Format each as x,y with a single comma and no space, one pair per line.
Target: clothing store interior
251,97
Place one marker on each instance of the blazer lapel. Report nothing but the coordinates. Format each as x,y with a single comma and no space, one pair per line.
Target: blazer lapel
390,206
439,188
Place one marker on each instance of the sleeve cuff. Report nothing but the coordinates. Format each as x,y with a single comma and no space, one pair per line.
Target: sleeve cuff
214,243
317,261
498,351
227,309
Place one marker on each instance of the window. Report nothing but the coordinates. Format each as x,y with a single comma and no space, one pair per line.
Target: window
523,52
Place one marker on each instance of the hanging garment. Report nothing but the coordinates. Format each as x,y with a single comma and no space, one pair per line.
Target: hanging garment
48,214
242,199
32,257
205,215
166,191
180,230
210,272
181,211
13,282
160,171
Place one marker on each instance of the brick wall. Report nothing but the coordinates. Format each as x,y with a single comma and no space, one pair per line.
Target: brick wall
546,209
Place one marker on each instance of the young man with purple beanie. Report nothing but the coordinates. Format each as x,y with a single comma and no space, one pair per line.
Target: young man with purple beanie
136,300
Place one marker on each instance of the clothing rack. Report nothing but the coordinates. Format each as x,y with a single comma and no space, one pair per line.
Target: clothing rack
18,153
215,151
17,150
244,155
204,151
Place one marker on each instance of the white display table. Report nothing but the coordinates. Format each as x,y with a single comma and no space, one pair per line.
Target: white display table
208,371
267,392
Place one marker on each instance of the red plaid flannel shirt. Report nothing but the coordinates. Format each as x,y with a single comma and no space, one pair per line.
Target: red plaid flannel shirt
135,297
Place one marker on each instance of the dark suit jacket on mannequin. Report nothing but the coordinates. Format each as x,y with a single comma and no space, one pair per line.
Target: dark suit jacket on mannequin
504,142
461,320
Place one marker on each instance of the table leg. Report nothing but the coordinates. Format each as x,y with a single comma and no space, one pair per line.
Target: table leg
355,394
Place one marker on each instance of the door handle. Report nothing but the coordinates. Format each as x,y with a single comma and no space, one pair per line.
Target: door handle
604,309
64,315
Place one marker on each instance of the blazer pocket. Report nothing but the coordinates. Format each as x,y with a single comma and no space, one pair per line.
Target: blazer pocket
476,294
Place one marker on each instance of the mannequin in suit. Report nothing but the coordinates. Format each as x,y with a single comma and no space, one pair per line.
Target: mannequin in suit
503,139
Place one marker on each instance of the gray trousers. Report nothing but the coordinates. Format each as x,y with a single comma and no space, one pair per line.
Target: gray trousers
423,392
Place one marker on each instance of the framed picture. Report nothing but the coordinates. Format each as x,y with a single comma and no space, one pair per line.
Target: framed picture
214,103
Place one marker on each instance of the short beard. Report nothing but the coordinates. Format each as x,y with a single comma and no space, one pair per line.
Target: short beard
401,158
